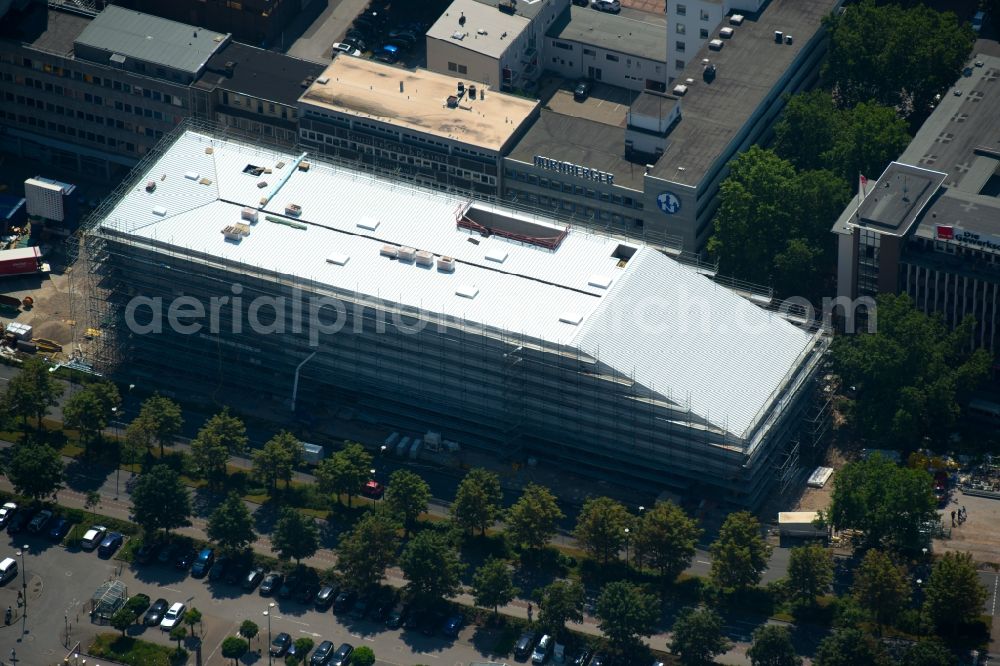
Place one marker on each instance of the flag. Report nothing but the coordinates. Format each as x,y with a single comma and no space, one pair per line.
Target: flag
945,232
862,185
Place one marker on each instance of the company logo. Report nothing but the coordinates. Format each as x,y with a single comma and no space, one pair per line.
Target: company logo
668,203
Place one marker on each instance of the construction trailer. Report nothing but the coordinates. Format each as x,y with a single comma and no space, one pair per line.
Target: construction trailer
513,334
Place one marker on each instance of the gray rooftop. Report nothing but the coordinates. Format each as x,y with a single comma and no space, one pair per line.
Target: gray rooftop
152,39
580,141
259,73
528,9
748,67
612,32
898,198
38,27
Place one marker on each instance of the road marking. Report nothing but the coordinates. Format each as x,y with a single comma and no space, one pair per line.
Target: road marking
702,562
428,654
172,589
304,624
996,584
309,633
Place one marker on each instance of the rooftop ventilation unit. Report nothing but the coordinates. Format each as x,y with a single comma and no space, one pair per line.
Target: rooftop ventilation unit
407,254
323,80
150,185
778,36
236,232
736,19
452,101
727,33
498,255
249,214
446,264
458,34
368,223
467,291
600,281
788,39
337,259
679,89
160,210
191,175
293,209
425,258
716,44
571,318
390,251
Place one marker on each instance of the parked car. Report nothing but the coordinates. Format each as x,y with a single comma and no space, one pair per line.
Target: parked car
543,650
19,522
185,559
581,91
612,6
59,529
155,613
173,616
395,619
524,645
271,584
306,593
346,49
144,554
8,569
360,609
344,601
218,569
167,553
110,544
93,537
600,660
321,657
7,512
288,588
373,489
204,562
581,3
342,657
325,597
381,612
389,54
583,658
280,644
253,579
39,522
453,625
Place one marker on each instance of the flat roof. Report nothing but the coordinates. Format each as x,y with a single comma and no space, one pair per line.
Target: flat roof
44,29
259,73
152,39
581,141
612,32
528,8
669,328
898,198
748,67
486,29
416,100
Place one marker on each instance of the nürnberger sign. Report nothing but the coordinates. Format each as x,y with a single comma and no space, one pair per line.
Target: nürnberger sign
574,170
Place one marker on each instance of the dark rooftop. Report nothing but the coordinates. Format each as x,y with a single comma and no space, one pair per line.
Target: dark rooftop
897,199
580,141
52,31
748,67
259,73
612,32
969,212
526,9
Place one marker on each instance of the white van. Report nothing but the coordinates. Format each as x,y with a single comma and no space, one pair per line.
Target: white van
8,569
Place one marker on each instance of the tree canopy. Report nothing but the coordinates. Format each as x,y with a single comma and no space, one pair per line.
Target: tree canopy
810,573
493,586
277,459
881,587
407,496
665,538
954,593
231,525
601,527
531,521
35,470
697,636
773,223
295,536
477,501
88,411
886,502
344,471
910,375
160,500
772,646
900,57
222,436
432,568
234,647
625,612
929,652
162,419
559,602
365,552
739,553
32,391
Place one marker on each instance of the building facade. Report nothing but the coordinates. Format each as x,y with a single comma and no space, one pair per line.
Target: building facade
691,24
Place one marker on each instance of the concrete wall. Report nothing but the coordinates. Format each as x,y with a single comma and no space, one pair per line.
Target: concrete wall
575,60
441,54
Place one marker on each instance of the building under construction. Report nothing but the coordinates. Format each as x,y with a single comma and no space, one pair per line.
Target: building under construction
229,271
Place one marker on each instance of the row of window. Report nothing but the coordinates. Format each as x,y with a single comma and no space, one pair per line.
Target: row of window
681,29
681,10
69,130
455,67
90,117
570,207
572,188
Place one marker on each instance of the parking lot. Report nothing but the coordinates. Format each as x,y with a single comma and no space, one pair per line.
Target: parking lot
61,582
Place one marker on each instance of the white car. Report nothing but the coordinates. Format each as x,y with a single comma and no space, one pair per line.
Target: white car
8,569
346,49
93,537
172,616
612,6
7,512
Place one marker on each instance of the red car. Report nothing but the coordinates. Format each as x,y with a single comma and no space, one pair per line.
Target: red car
373,489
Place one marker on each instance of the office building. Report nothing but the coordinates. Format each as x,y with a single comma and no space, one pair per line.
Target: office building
507,332
258,22
693,23
930,225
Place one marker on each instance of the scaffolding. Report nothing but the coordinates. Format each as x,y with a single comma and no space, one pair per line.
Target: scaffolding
496,390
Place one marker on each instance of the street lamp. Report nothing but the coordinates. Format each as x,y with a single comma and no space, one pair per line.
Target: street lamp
626,549
267,614
24,579
66,621
118,464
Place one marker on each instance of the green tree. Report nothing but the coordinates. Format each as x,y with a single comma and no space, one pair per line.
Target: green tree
295,536
123,618
249,630
601,527
665,538
739,553
929,652
32,391
849,647
138,440
160,501
304,646
900,57
277,460
222,436
532,520
810,573
954,594
344,471
624,613
881,587
407,496
559,602
367,550
86,413
231,525
162,419
910,375
806,129
493,586
432,569
91,501
234,647
192,616
886,502
477,501
35,470
772,646
697,636
363,656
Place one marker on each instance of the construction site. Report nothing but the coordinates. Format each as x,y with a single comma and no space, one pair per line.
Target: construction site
234,273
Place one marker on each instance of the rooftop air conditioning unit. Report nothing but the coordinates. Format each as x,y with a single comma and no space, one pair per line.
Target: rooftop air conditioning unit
236,232
778,36
425,258
727,33
736,19
680,89
293,209
150,185
249,214
788,39
390,251
446,264
716,44
407,254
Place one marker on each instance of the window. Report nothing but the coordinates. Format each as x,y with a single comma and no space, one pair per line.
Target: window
590,52
679,46
704,15
563,45
612,57
704,33
462,69
682,10
680,28
452,67
679,64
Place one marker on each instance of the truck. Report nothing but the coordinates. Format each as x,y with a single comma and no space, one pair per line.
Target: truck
21,261
802,524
